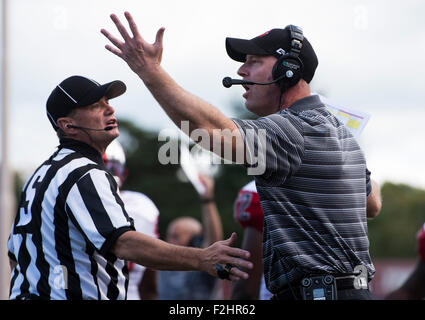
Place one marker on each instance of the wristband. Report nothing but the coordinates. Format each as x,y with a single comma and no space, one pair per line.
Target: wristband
207,200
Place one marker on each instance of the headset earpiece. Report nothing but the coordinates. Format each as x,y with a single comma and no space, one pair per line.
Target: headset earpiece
289,65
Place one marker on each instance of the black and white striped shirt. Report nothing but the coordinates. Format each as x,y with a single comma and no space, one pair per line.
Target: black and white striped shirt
69,217
313,194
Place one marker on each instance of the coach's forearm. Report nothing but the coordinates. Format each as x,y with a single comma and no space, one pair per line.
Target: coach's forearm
154,253
181,105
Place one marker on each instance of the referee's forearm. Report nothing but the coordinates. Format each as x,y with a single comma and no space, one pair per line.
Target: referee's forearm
156,254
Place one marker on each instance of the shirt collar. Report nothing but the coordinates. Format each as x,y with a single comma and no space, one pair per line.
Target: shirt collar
82,148
307,103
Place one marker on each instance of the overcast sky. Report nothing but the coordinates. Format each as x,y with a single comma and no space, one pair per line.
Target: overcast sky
371,55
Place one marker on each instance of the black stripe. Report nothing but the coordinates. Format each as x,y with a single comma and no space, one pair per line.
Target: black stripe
95,206
24,259
114,189
93,269
64,253
12,281
126,274
113,291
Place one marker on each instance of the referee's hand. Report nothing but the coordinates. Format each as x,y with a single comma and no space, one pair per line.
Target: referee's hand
222,253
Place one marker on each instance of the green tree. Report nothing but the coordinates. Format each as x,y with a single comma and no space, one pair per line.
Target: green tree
393,232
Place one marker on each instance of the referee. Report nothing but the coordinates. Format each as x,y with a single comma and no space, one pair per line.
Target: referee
72,235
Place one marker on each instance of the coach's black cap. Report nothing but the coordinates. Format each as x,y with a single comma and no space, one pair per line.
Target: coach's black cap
267,44
77,91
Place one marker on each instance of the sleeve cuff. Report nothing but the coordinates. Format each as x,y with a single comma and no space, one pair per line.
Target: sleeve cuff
112,238
11,256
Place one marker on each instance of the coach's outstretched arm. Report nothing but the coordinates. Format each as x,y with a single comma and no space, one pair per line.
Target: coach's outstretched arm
157,254
145,60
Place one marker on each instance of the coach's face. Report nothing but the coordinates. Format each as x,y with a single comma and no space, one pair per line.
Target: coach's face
261,100
98,115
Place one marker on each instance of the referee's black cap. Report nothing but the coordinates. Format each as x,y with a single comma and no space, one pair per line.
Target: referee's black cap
78,91
268,44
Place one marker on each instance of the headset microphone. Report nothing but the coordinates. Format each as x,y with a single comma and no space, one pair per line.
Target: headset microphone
78,127
228,82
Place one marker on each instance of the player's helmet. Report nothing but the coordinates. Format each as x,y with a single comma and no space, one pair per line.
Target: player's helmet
114,158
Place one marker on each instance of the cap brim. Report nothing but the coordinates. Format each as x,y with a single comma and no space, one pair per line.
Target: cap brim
237,49
109,90
115,89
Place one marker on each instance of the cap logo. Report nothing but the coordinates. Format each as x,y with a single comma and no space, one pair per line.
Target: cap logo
281,51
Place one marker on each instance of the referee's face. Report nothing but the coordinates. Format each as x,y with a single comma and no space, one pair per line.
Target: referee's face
261,100
97,116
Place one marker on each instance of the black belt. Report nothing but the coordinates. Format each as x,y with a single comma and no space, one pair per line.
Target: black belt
344,283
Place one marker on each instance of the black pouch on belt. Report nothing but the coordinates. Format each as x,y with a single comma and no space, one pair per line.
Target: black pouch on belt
320,287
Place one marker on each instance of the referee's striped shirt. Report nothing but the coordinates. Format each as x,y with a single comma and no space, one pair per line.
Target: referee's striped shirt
313,194
69,217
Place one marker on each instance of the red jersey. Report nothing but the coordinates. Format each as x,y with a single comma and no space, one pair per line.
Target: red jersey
247,209
421,243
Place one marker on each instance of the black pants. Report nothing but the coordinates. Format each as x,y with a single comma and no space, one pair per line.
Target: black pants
347,294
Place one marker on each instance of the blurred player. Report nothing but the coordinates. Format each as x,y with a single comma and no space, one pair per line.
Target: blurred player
142,281
187,231
248,213
414,287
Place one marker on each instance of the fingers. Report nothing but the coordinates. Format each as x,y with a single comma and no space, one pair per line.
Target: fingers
159,37
122,30
236,274
230,272
237,262
111,38
114,50
235,252
231,241
132,24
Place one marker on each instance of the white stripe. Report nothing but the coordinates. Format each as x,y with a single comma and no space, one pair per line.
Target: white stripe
95,82
82,263
103,278
250,187
69,96
63,153
119,265
113,209
51,118
32,274
16,290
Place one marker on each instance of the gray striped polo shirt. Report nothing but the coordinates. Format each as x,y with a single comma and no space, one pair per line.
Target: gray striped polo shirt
313,194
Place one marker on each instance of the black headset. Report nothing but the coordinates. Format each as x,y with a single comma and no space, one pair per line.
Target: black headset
289,66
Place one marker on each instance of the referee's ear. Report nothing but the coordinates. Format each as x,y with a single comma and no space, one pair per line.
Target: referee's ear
64,125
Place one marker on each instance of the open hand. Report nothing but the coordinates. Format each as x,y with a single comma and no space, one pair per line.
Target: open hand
142,57
222,253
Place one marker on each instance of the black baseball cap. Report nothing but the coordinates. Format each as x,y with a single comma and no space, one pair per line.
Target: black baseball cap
268,44
77,91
